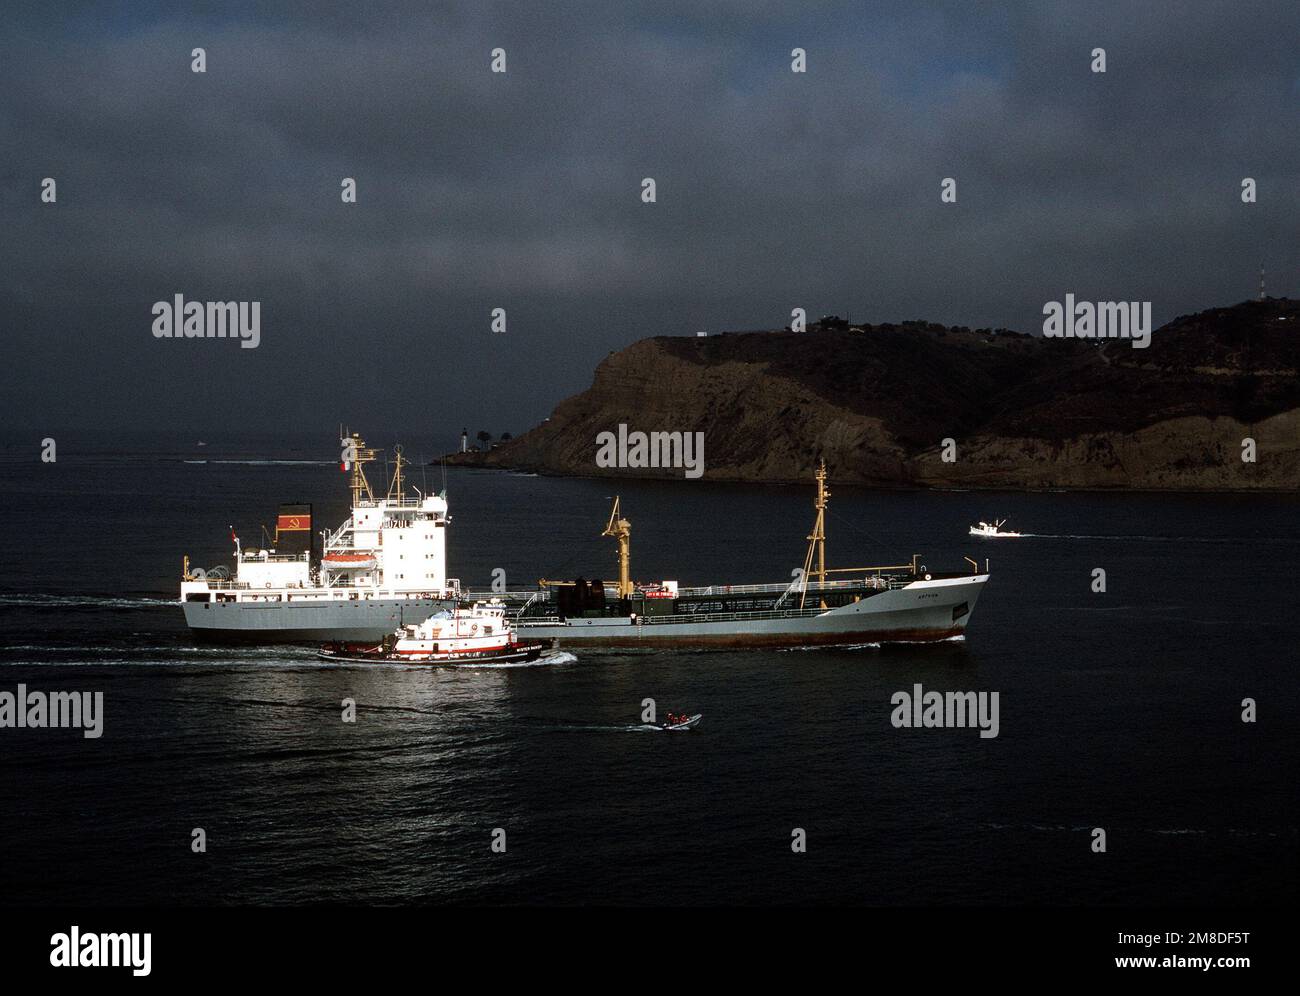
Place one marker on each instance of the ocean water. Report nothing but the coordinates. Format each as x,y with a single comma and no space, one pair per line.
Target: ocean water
1119,710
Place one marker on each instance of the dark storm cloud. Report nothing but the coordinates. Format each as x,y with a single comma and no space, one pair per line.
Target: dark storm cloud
521,191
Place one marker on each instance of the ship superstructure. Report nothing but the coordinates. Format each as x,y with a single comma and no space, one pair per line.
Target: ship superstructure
383,567
820,606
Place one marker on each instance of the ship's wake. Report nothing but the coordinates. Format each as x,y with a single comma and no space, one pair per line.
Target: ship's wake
84,601
548,660
265,463
632,728
1234,540
829,646
551,727
253,658
1159,831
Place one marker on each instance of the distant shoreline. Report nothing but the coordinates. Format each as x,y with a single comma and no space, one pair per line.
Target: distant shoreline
460,462
1211,407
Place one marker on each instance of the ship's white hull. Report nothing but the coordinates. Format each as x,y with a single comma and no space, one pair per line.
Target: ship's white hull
306,620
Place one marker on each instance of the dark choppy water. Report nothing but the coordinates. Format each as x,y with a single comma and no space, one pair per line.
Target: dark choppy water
1118,710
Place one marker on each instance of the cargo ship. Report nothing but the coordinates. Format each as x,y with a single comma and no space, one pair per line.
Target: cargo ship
384,567
820,607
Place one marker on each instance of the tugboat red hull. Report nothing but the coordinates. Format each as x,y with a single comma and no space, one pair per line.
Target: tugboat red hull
515,653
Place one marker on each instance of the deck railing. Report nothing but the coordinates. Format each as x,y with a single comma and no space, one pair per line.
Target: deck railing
697,617
452,587
687,617
272,558
878,582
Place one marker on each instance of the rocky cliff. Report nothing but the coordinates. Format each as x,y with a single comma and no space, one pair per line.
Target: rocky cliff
879,402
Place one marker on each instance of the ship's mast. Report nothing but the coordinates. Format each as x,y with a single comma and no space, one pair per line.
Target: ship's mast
819,529
395,490
817,538
363,455
621,530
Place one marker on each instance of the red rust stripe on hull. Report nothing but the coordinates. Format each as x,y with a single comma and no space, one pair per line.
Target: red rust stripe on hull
505,648
778,640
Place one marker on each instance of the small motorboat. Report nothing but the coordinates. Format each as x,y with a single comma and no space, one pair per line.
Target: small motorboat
992,529
681,722
473,635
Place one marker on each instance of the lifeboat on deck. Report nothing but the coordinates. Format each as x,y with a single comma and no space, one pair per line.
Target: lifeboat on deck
349,561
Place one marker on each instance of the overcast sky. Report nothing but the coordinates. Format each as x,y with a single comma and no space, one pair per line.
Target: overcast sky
523,190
